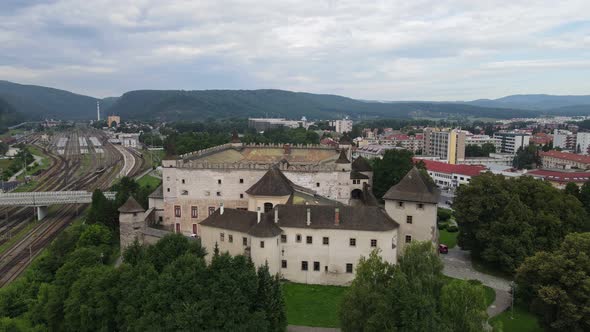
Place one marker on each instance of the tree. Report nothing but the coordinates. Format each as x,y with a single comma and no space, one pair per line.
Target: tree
503,221
572,189
408,296
556,284
527,158
390,170
102,211
269,300
464,306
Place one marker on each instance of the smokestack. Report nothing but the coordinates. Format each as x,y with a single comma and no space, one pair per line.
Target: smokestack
308,216
337,216
276,215
258,214
220,208
98,110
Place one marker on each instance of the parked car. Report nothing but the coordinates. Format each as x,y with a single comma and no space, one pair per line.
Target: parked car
443,249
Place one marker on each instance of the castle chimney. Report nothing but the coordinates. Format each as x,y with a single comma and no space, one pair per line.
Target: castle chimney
337,216
276,215
258,214
220,208
308,216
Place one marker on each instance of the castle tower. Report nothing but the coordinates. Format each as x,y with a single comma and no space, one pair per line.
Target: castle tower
131,222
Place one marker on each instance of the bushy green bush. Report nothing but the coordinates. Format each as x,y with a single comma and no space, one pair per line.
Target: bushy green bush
452,229
442,226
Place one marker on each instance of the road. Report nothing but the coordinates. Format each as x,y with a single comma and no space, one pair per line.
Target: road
445,196
457,264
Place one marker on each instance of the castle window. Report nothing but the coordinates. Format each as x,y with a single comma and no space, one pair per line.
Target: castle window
304,265
245,241
317,184
409,219
211,210
316,266
219,193
241,195
298,238
261,244
326,240
135,214
284,264
194,228
352,242
241,180
400,204
267,207
184,192
177,227
219,181
420,206
177,211
408,238
221,237
309,240
373,243
283,238
349,268
230,238
183,182
168,189
194,212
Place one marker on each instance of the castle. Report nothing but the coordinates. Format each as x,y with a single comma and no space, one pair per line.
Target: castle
305,210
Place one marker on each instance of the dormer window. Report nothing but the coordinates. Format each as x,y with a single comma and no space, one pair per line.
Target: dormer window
184,192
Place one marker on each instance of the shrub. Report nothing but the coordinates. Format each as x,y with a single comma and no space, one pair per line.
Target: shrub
452,229
442,226
444,214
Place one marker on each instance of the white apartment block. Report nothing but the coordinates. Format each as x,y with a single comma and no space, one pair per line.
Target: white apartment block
342,126
583,143
480,140
564,139
512,141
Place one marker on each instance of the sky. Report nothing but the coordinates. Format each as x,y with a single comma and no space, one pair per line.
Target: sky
377,50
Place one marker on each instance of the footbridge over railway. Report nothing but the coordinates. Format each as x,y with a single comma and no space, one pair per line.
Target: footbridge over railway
41,200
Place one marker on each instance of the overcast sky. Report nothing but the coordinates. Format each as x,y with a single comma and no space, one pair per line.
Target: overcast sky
385,50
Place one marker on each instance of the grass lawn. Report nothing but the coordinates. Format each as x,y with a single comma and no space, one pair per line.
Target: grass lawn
153,158
5,163
26,187
490,295
150,181
44,163
523,321
448,238
313,305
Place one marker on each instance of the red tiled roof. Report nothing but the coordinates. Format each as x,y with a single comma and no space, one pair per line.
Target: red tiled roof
419,136
400,137
560,176
437,166
566,156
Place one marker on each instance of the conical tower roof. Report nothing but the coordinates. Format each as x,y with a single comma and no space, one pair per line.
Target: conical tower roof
414,187
342,159
131,206
272,183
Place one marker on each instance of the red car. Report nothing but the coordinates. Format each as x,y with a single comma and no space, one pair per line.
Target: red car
443,249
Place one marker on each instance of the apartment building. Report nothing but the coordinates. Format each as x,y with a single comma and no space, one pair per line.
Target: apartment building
511,141
448,145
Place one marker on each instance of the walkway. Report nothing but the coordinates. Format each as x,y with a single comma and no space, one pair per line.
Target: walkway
458,265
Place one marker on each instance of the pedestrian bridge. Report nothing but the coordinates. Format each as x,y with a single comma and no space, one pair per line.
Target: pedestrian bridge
41,200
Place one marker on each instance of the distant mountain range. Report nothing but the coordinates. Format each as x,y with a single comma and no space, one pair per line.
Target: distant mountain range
18,102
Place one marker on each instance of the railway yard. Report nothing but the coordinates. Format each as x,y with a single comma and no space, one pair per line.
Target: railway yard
80,159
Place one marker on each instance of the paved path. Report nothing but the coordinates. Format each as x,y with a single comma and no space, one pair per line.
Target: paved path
458,265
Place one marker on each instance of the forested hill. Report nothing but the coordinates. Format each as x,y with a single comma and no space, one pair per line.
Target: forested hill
39,102
8,115
174,105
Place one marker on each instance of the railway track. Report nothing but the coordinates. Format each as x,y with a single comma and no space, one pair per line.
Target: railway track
62,176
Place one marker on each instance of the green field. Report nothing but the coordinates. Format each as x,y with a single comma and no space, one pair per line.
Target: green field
448,238
313,305
153,158
150,181
523,321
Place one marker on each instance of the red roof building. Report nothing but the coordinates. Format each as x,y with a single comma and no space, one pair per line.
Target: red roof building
541,138
564,160
560,179
449,175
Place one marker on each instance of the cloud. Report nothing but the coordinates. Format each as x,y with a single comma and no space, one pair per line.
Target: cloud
386,50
